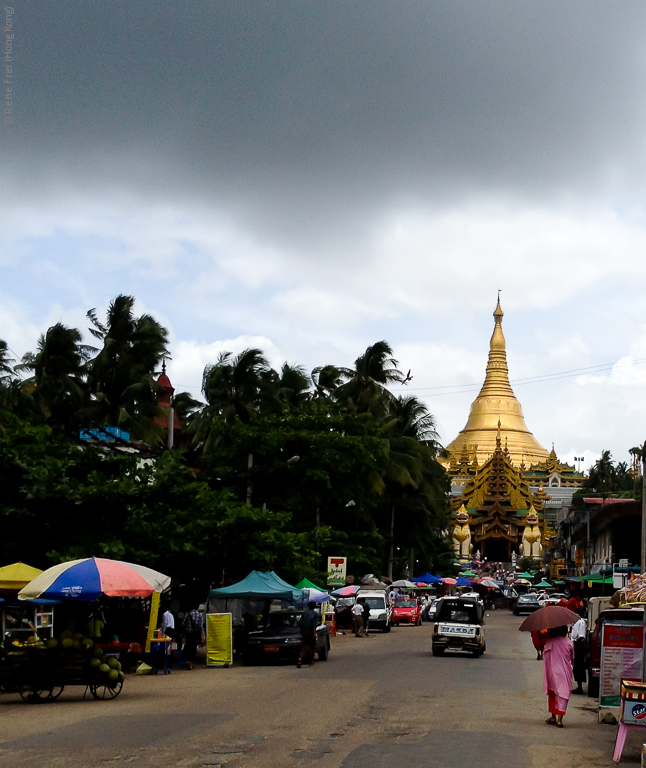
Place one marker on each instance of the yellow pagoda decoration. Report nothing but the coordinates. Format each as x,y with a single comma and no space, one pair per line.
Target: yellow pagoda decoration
495,403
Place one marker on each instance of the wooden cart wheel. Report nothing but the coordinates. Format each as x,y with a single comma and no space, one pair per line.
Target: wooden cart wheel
105,692
35,694
55,691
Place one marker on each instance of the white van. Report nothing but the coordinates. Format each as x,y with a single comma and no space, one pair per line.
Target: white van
380,609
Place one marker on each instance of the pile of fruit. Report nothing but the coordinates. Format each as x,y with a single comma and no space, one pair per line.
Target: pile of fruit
68,648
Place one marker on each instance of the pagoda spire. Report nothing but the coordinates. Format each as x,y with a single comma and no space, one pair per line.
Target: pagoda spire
496,413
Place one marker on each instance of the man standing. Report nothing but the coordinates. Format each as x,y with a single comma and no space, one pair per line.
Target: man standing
366,617
168,628
193,626
578,638
357,617
309,622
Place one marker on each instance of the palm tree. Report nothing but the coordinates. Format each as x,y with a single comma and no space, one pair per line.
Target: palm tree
122,375
292,387
6,363
365,389
58,381
601,477
416,483
326,380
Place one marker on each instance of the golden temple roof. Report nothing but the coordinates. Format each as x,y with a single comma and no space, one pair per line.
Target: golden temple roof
495,403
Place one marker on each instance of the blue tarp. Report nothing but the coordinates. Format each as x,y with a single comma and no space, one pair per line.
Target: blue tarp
427,578
259,584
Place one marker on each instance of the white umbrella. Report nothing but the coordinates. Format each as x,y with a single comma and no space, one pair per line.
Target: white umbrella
404,583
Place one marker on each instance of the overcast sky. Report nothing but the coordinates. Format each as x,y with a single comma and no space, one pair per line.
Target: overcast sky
312,177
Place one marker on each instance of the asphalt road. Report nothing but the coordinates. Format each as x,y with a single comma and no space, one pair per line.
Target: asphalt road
378,702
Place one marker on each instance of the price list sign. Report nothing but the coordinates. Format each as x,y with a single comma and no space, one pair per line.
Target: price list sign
621,659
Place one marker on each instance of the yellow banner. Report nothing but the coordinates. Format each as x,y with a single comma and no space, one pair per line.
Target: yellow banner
152,620
219,640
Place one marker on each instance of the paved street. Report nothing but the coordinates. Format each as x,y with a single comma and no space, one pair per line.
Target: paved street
378,702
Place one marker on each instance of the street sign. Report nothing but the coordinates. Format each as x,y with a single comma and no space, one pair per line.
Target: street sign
336,568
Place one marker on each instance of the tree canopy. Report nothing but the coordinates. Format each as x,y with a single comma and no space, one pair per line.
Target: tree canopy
276,468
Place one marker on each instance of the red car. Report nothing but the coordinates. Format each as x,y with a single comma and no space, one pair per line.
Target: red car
406,610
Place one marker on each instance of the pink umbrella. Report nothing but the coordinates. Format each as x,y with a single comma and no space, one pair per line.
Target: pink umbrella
450,582
346,591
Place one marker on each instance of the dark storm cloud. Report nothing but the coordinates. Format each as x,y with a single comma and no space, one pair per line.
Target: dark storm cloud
297,110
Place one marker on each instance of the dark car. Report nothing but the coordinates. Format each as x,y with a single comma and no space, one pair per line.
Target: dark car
614,615
526,604
280,639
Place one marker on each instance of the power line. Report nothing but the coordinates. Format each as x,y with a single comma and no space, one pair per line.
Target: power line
471,387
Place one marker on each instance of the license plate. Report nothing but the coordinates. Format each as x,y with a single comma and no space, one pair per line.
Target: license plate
456,630
271,649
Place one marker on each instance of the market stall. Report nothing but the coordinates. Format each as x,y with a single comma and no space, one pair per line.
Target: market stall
40,668
255,596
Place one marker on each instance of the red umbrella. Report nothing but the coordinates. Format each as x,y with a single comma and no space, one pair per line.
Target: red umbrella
548,618
450,582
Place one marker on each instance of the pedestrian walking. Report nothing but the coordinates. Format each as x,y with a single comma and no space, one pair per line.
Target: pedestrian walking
309,623
557,681
578,636
357,617
193,627
366,618
539,638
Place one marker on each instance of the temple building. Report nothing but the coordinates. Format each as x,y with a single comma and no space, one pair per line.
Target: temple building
499,472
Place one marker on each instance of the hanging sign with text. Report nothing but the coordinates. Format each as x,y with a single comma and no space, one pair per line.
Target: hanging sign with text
336,568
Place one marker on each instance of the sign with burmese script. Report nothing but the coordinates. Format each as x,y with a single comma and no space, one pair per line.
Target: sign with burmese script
336,568
219,640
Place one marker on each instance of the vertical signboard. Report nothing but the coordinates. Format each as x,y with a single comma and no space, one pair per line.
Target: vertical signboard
621,659
219,640
336,568
152,619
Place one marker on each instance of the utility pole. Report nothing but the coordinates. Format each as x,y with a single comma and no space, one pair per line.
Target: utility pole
249,483
391,553
642,565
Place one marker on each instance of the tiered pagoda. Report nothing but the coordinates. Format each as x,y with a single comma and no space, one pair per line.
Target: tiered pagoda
501,512
498,472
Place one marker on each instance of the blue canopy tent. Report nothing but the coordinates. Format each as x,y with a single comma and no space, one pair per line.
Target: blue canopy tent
427,578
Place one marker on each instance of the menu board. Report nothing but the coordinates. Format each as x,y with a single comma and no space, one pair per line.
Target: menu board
219,640
621,659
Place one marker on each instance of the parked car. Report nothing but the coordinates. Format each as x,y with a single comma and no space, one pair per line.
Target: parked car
526,604
280,639
406,610
629,615
553,599
459,626
380,609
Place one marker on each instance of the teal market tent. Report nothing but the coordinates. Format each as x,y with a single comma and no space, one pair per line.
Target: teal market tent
259,585
544,584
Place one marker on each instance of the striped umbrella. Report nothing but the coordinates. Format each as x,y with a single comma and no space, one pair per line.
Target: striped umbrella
92,577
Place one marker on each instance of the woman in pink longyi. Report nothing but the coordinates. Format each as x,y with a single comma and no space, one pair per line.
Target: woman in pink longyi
559,660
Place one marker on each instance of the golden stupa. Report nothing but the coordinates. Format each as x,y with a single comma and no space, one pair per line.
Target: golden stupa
496,403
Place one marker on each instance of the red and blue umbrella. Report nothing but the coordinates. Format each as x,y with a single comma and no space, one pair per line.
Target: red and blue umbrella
92,577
